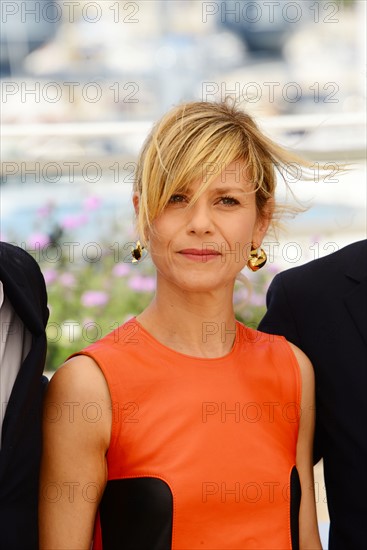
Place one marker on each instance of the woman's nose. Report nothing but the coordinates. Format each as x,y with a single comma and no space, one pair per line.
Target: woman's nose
199,218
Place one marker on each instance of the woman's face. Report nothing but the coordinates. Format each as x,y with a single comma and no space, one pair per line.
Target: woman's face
203,247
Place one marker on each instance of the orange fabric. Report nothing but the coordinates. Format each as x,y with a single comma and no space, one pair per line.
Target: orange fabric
220,432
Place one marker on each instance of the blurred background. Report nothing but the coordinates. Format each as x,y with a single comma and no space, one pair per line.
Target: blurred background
82,83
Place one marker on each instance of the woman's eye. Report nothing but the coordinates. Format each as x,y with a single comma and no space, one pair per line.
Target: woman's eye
176,199
229,201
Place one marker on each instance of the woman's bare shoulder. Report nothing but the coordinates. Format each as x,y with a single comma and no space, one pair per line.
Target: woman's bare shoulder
80,374
79,390
305,364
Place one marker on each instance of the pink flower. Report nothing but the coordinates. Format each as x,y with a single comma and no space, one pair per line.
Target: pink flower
257,300
142,284
72,222
121,269
93,202
50,276
67,279
240,295
45,210
273,268
38,240
92,298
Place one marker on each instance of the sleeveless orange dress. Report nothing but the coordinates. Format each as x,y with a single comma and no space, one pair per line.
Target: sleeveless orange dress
202,452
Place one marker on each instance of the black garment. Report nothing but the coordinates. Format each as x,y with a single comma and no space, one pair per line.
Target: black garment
322,308
20,452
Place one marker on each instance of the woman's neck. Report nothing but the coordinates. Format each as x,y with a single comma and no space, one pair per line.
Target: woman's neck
199,324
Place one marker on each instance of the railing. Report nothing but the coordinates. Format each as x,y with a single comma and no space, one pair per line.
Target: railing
95,129
314,134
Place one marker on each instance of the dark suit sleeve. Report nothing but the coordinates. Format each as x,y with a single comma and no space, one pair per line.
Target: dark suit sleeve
279,318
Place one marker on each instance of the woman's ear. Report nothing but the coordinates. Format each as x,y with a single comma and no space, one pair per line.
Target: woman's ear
136,202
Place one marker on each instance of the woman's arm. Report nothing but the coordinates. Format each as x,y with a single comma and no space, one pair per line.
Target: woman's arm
76,434
308,528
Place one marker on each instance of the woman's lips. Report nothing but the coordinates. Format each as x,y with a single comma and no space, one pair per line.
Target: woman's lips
200,254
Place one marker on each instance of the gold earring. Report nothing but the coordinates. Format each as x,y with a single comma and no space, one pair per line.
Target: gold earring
257,258
138,253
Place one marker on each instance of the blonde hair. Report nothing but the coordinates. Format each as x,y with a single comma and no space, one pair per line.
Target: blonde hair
198,136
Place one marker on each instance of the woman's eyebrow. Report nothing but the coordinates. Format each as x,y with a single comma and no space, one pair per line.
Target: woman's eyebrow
229,190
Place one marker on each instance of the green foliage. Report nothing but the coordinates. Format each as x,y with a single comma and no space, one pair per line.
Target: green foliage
97,302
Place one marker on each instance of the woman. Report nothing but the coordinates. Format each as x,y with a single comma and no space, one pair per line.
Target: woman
184,429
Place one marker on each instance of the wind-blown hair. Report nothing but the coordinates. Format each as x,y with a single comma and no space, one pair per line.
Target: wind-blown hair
194,142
